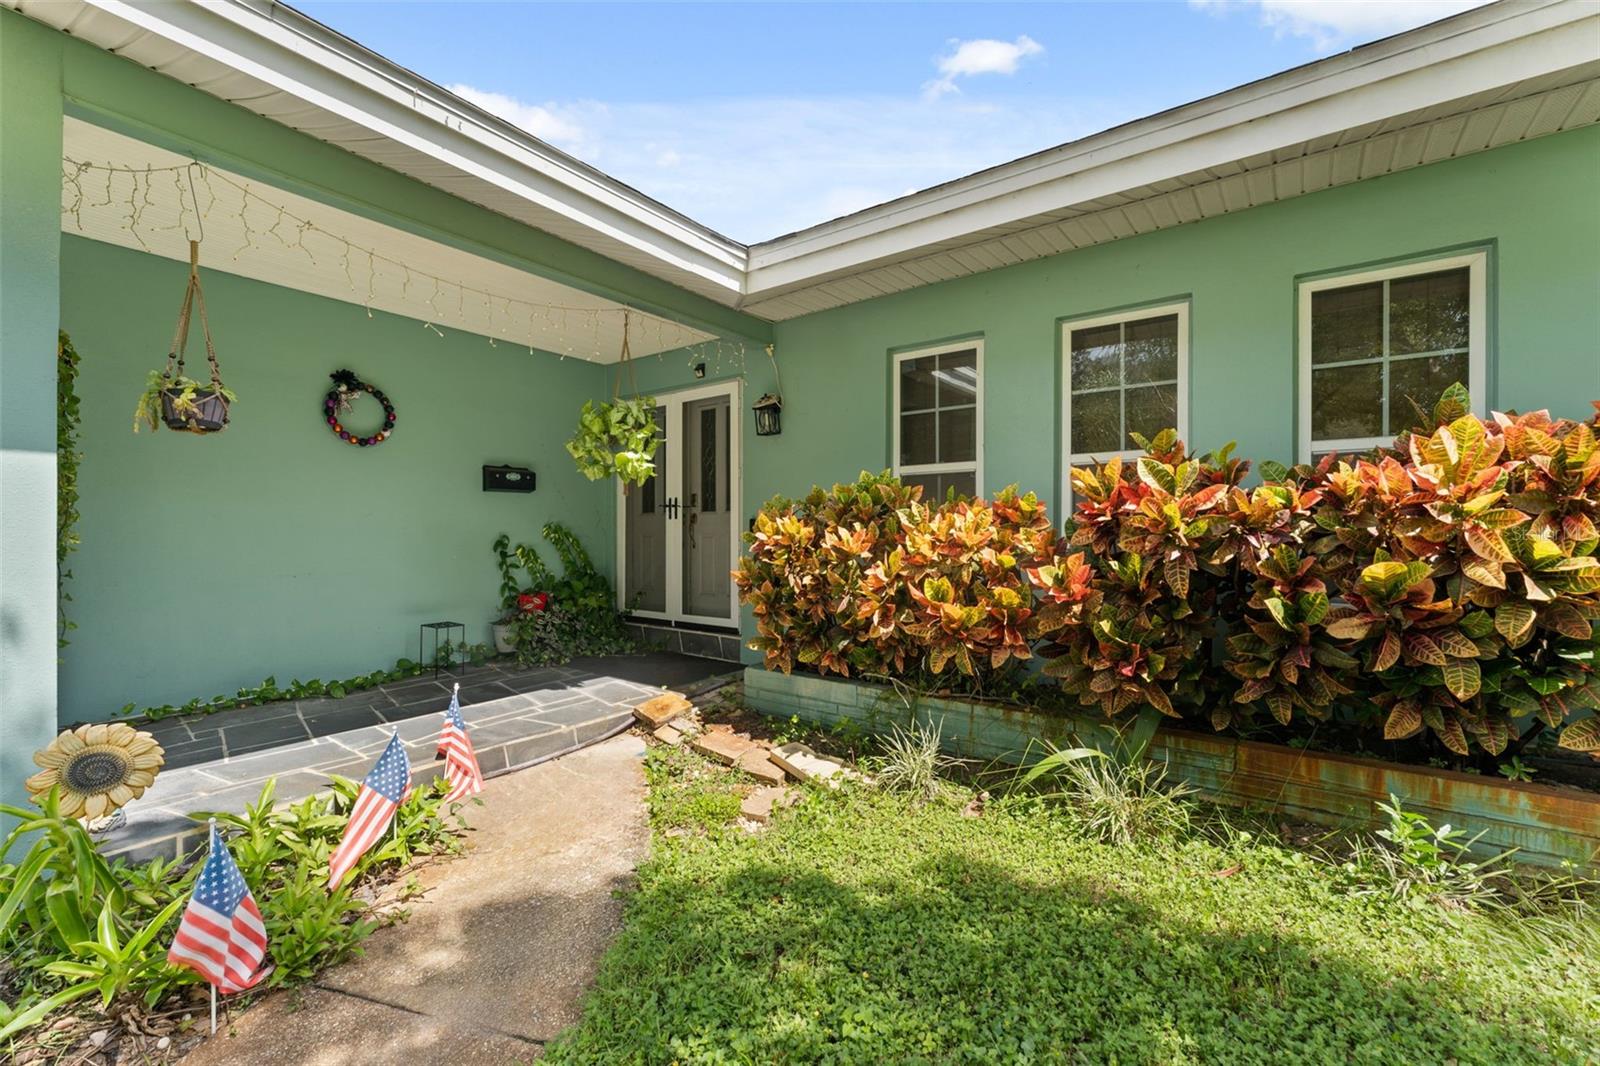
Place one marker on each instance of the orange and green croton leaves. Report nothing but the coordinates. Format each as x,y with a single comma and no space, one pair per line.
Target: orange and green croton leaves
1159,545
1475,605
1451,581
869,579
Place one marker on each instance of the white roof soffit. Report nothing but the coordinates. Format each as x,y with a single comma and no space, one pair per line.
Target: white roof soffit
438,286
1488,77
278,63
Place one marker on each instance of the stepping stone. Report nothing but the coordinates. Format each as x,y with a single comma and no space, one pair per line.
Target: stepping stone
756,763
659,710
668,734
804,764
759,804
723,747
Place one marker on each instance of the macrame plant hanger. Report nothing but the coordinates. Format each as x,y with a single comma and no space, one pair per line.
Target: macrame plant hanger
194,295
625,360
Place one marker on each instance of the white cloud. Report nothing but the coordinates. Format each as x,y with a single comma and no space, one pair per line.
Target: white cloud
757,168
546,123
1331,23
982,56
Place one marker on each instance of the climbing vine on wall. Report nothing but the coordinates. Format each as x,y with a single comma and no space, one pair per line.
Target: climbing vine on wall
67,457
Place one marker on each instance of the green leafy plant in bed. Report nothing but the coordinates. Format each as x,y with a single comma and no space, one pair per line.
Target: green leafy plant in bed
557,619
75,926
270,691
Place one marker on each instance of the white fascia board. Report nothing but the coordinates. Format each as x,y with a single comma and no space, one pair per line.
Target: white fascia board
1504,44
306,61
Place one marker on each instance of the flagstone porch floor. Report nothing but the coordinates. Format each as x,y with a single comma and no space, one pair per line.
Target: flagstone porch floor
516,716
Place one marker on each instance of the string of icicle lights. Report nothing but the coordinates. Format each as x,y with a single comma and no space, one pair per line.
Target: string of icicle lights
101,185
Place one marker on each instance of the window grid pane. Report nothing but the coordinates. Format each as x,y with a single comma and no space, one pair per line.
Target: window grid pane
1138,356
939,419
1435,309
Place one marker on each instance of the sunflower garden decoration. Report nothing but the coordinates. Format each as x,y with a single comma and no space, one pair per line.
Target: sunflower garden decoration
96,768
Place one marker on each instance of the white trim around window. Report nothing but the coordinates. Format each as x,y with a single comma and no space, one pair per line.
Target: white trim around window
973,466
1476,264
1122,319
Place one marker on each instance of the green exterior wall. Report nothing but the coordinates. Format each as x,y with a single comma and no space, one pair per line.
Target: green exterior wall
1534,206
274,547
30,198
271,549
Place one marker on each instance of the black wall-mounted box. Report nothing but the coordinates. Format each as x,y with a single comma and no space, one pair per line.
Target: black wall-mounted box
508,479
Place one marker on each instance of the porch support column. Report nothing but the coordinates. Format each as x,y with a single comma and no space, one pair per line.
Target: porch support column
30,295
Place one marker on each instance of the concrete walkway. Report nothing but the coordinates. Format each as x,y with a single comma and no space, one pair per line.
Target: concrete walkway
496,956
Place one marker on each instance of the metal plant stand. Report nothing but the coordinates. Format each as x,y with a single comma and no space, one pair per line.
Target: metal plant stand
437,627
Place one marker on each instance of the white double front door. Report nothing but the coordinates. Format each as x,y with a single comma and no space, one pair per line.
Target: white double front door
678,533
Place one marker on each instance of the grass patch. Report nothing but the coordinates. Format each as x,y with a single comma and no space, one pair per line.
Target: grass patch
688,792
860,927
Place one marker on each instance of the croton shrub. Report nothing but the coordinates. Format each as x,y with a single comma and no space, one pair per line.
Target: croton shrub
868,579
1447,586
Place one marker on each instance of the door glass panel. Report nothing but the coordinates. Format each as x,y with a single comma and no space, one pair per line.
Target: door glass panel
709,454
645,535
707,538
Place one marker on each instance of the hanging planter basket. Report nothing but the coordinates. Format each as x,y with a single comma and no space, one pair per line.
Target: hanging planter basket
619,438
195,410
171,398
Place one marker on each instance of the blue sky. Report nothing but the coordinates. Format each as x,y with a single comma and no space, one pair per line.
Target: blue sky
761,118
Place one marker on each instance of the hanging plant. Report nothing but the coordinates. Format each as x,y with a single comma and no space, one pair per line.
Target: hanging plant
620,437
178,401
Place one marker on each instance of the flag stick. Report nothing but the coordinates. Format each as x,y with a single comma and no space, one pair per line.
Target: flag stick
213,835
394,819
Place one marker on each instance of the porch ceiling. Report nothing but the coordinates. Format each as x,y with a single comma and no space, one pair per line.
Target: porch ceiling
244,235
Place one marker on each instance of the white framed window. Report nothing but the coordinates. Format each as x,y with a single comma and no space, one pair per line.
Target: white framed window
938,418
1123,373
1374,343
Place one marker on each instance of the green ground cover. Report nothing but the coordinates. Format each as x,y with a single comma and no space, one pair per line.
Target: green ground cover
861,927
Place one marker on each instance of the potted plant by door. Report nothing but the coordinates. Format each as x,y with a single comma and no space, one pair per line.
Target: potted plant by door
169,396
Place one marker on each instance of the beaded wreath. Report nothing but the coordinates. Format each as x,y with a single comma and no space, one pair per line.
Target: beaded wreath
347,388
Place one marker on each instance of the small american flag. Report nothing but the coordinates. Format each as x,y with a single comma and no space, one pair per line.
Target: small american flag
221,936
387,785
455,748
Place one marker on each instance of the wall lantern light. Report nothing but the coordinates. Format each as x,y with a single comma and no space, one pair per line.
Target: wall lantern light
768,411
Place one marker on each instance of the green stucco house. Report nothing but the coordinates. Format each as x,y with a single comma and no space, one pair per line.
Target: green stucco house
1286,265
